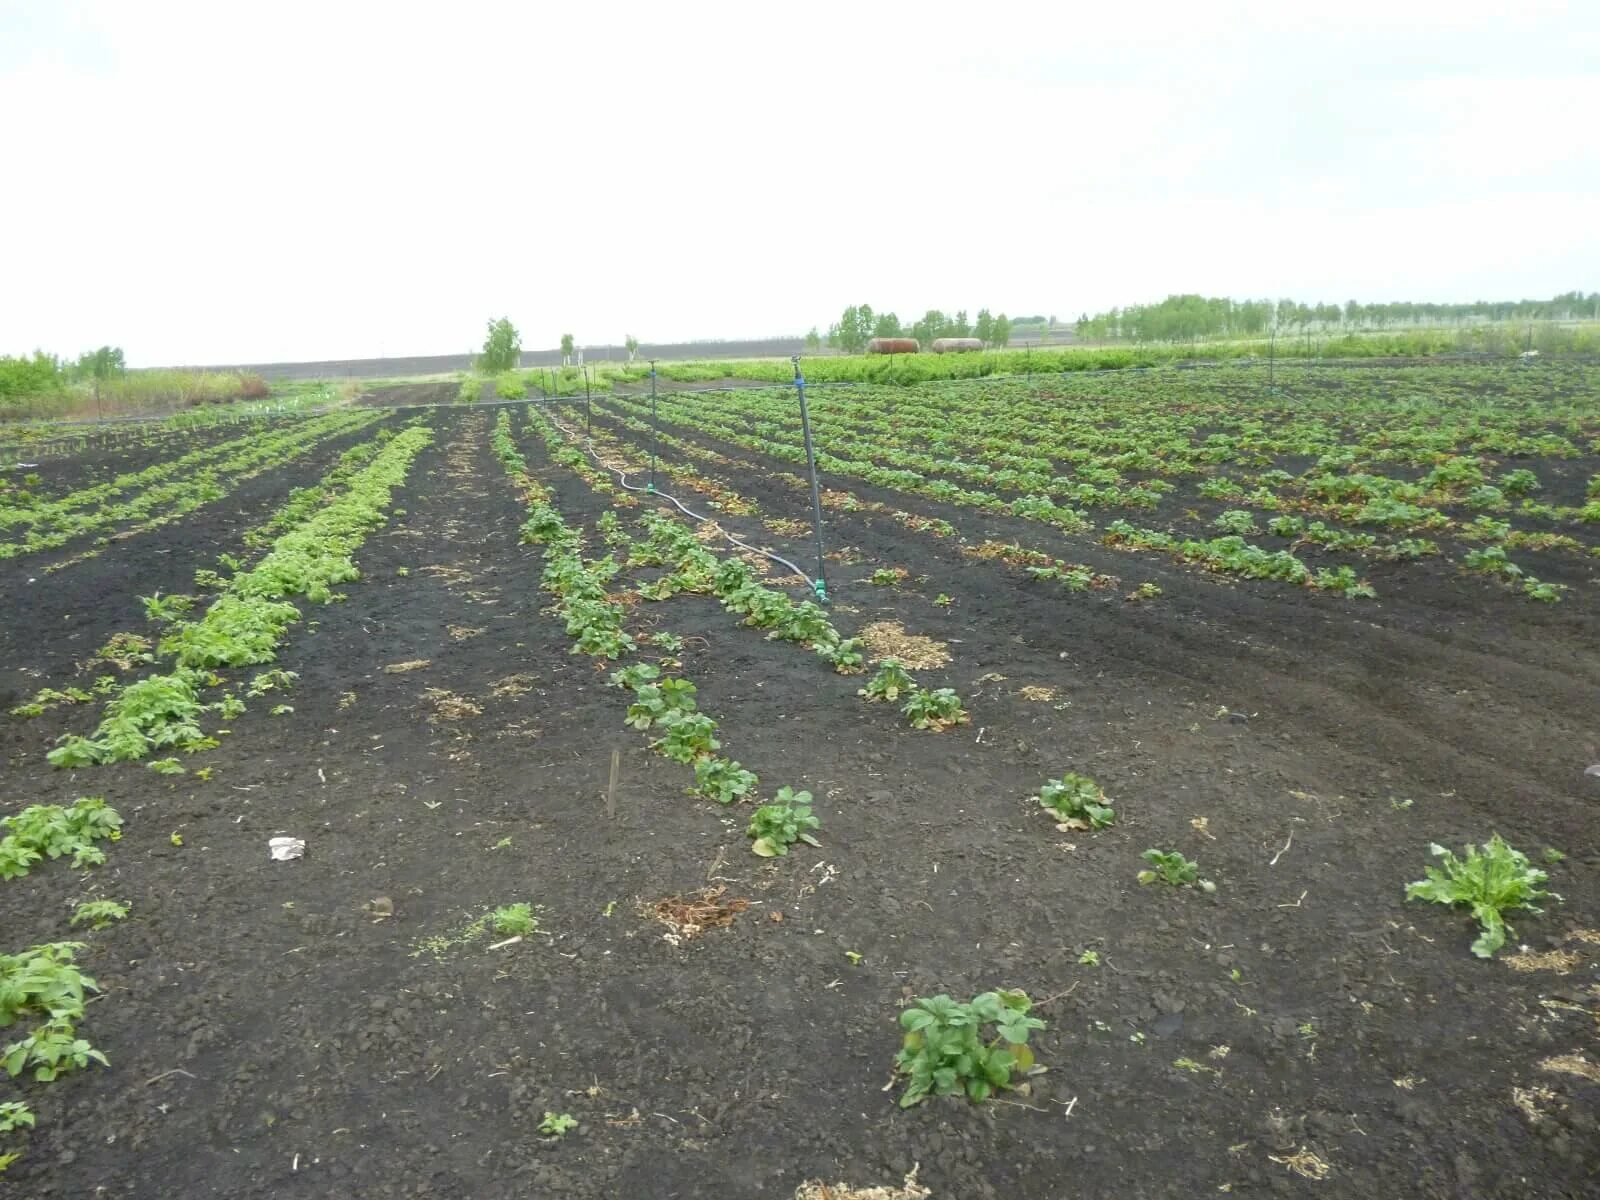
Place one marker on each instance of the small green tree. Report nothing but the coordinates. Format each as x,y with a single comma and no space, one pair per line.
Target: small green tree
100,365
631,345
1000,332
886,326
502,348
566,349
813,341
983,328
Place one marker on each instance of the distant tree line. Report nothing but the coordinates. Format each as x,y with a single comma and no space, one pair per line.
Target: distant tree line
859,325
41,374
1191,318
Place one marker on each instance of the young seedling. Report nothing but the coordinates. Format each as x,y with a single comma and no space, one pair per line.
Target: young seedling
946,1048
889,682
1492,880
1171,867
1077,801
513,920
97,914
557,1125
887,576
787,820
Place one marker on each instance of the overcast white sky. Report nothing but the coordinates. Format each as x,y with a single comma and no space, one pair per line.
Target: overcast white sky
214,182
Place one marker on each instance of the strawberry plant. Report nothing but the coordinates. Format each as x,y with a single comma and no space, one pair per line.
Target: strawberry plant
844,655
780,824
1171,867
976,1048
1491,880
654,703
937,709
889,682
1077,801
635,676
688,736
722,780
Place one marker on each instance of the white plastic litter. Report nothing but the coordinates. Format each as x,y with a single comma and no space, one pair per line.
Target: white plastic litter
283,849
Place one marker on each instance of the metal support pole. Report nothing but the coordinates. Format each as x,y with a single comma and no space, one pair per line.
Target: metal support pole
655,423
588,418
816,490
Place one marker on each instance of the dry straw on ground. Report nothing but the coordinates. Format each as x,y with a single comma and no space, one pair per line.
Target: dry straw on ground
909,1190
447,706
400,668
889,639
690,916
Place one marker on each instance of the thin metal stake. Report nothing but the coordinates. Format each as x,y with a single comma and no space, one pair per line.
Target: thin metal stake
588,418
655,421
816,490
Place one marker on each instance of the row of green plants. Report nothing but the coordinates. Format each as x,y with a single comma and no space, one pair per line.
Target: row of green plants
692,568
165,491
663,704
43,990
162,713
1002,436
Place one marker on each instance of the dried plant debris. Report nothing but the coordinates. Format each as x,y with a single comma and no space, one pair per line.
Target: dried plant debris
512,685
889,639
1572,1064
687,917
909,1190
447,706
413,664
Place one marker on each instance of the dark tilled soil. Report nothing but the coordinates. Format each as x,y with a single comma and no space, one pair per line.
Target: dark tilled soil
272,1033
56,619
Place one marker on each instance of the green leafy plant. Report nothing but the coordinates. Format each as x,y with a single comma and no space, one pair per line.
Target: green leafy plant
723,780
1077,801
780,824
14,1114
887,576
557,1124
1491,880
270,681
513,920
165,766
43,831
1236,520
889,682
948,1047
44,981
97,914
1171,867
845,655
689,736
936,709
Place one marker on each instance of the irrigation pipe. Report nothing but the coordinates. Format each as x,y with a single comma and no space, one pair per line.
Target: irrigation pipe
622,478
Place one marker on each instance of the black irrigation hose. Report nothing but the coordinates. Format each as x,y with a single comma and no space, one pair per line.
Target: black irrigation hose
622,478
